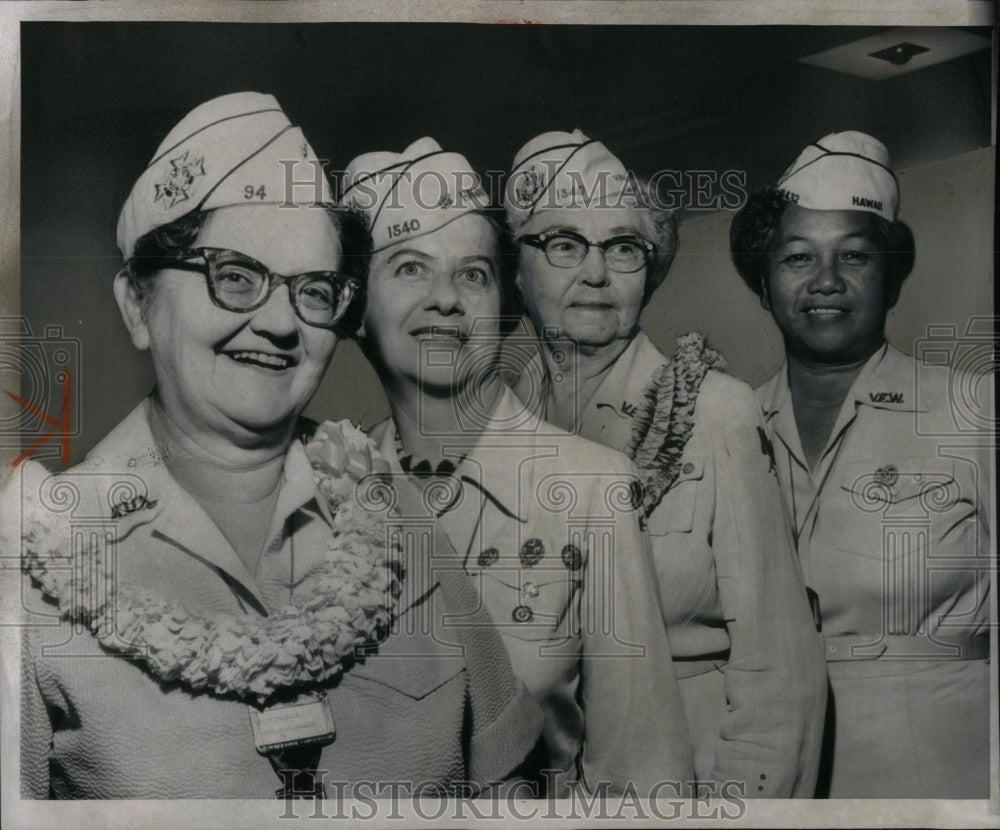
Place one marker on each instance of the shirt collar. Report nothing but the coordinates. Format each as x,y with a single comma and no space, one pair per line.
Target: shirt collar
626,378
531,384
488,463
609,414
773,394
775,400
159,501
886,381
627,366
298,486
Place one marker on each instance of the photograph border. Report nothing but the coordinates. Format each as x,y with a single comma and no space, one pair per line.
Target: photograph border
16,812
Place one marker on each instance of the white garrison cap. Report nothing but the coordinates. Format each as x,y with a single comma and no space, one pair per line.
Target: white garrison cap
413,193
843,171
560,170
238,149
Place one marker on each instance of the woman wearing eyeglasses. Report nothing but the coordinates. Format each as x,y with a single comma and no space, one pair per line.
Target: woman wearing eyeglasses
540,522
593,247
208,605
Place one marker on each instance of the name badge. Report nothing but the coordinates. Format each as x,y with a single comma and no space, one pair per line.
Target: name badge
304,722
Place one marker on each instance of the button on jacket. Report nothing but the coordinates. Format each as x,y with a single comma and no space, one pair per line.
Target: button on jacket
893,535
744,643
545,525
96,725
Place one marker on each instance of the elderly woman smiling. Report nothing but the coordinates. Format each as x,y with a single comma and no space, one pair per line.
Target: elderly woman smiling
207,610
594,247
541,522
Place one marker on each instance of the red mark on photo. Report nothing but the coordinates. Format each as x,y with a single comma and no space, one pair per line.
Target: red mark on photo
60,425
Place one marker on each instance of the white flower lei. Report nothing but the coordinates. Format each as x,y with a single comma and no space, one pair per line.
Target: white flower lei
662,426
345,602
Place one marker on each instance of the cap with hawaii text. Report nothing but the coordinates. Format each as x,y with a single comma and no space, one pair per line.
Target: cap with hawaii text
413,193
237,149
843,171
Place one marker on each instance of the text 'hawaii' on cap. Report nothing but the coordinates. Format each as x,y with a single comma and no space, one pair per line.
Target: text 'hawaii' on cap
843,171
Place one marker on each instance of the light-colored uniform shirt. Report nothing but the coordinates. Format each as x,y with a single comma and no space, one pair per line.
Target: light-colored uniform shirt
892,530
545,525
740,628
97,725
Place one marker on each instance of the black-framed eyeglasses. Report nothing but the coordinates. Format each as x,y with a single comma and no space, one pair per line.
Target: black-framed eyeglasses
237,282
567,249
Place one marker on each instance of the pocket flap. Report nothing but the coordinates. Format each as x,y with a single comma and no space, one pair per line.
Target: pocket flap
675,512
532,603
413,663
692,469
896,480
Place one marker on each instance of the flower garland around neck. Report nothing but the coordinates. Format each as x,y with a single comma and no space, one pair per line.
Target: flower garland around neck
344,602
663,424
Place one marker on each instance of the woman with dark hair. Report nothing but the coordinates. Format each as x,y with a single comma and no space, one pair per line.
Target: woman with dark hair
753,230
542,523
210,609
884,487
594,245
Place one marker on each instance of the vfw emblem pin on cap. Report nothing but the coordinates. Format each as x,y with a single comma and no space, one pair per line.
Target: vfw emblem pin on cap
530,183
180,178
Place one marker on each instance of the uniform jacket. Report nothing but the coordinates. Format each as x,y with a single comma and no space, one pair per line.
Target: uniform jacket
545,526
893,535
736,612
94,725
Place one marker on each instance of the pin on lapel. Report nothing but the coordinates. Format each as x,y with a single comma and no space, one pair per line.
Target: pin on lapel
133,505
887,475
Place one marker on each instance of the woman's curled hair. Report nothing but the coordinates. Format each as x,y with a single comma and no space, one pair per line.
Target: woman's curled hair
754,225
665,224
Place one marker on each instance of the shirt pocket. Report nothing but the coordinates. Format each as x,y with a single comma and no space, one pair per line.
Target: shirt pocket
543,608
413,664
675,512
891,504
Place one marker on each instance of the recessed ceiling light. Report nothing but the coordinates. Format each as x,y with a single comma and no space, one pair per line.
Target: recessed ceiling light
900,53
896,51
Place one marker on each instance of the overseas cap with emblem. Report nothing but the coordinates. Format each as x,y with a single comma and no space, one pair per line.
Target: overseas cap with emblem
413,193
234,150
559,170
843,171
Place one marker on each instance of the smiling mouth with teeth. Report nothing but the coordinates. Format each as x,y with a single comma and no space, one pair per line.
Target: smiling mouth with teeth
439,333
269,361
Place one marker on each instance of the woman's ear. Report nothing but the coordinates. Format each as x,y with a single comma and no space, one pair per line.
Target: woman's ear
131,308
895,287
666,260
361,334
765,301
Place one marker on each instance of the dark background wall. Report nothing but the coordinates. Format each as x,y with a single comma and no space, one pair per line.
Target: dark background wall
97,98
